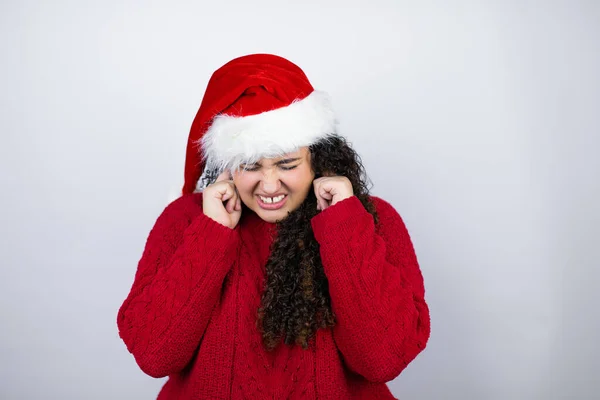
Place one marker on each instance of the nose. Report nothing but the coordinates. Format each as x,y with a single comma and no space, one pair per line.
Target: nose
270,182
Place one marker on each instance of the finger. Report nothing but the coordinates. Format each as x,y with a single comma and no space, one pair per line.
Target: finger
229,199
326,198
324,204
321,204
226,193
237,200
317,181
230,205
325,191
326,195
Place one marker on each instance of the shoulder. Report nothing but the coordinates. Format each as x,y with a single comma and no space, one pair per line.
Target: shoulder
182,210
186,203
383,207
389,218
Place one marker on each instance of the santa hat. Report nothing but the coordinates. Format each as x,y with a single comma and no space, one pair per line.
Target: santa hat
255,106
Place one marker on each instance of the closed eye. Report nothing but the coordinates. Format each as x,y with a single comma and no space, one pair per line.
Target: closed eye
257,167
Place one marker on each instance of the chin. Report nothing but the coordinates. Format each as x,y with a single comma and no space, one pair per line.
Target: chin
271,216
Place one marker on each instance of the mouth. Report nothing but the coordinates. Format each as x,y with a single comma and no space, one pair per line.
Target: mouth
271,203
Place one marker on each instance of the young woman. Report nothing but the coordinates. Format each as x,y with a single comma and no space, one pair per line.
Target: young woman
276,275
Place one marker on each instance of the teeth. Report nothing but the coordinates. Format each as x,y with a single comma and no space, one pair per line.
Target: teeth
270,200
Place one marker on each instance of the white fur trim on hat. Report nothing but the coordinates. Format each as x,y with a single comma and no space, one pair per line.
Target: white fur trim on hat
231,141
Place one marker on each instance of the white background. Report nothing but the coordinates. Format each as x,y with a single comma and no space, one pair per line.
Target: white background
479,121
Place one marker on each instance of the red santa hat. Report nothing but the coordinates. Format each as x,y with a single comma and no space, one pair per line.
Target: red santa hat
255,106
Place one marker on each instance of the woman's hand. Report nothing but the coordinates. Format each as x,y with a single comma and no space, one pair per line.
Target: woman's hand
221,201
330,190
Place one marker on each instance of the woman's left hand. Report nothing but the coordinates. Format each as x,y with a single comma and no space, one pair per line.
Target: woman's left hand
330,190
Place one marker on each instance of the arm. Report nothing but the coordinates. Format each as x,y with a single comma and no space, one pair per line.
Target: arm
376,288
177,284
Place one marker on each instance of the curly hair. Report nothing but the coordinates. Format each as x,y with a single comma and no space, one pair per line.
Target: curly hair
295,302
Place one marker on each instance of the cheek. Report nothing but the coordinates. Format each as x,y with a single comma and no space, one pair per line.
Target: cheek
244,185
299,181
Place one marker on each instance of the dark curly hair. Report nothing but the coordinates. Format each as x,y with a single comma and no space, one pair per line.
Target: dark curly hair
296,302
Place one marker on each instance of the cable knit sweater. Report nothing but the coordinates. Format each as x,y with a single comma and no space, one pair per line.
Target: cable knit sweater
191,313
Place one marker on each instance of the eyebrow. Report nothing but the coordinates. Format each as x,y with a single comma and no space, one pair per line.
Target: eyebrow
280,162
287,161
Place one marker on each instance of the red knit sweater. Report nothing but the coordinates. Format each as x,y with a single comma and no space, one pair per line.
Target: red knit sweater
191,313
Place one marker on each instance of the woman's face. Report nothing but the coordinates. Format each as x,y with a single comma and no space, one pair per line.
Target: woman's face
273,187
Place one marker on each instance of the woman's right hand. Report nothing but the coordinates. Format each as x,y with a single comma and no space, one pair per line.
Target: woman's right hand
221,201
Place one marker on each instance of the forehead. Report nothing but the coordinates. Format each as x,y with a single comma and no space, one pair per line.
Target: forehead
300,153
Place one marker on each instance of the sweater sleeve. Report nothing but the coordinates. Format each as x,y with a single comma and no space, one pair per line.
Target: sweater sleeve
177,284
376,288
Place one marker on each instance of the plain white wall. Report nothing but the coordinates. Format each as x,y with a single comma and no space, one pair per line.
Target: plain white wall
477,120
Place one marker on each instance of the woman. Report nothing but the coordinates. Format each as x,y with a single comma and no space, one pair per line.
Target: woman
275,275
